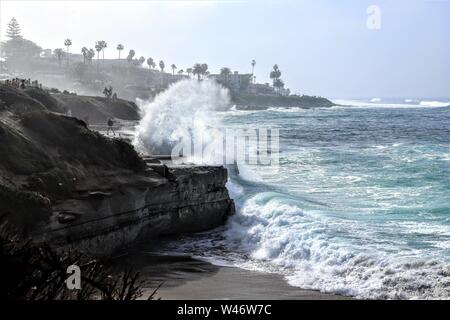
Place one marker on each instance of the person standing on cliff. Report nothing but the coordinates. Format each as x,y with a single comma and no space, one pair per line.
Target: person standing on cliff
110,124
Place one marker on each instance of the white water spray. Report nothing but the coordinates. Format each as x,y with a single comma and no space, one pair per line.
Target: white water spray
185,108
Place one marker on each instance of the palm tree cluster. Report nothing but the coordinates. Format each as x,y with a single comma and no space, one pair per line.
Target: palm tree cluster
59,53
131,55
225,72
100,46
275,75
88,54
200,70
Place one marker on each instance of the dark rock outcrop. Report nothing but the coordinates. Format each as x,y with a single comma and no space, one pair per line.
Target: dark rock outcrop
245,101
18,101
66,185
98,109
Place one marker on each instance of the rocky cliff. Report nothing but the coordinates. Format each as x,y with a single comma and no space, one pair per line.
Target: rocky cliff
66,185
98,109
246,101
93,109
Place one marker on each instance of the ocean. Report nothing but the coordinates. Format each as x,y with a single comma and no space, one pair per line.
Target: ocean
360,204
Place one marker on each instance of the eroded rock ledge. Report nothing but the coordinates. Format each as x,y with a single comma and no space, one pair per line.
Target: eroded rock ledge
66,185
187,199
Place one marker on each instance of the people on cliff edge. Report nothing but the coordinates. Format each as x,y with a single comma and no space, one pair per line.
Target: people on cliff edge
110,124
18,83
108,92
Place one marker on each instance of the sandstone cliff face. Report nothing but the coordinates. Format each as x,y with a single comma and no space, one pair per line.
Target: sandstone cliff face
66,185
188,199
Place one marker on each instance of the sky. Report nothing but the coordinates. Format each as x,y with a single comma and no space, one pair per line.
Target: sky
336,49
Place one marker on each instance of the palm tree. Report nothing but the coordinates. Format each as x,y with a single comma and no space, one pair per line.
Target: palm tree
225,73
59,53
98,48
130,55
275,74
189,71
173,66
85,52
119,48
180,72
103,46
162,65
150,63
253,67
67,43
205,69
90,55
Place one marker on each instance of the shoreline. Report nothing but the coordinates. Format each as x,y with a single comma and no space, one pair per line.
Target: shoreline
186,278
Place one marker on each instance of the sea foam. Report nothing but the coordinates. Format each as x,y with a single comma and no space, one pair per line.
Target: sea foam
276,232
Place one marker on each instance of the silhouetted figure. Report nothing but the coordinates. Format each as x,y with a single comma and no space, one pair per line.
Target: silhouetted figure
110,124
107,92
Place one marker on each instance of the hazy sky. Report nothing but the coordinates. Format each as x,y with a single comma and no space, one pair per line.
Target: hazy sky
322,47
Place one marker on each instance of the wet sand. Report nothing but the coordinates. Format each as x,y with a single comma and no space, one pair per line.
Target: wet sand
185,278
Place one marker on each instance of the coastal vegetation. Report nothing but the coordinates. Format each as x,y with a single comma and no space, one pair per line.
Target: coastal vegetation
39,272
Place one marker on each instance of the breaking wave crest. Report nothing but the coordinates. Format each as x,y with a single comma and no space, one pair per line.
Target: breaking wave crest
275,230
184,109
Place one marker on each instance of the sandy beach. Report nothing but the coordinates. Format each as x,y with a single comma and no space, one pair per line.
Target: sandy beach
186,278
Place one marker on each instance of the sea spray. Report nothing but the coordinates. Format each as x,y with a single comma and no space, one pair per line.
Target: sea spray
184,110
183,120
